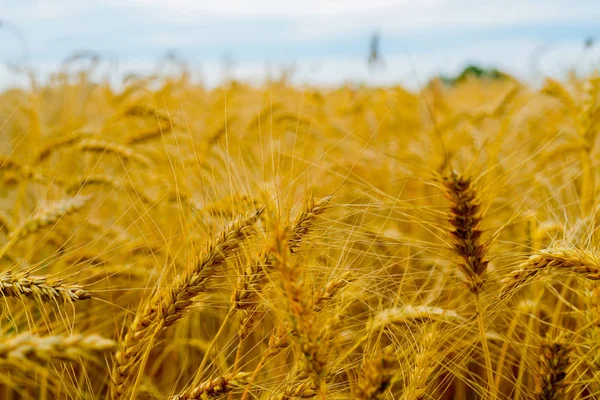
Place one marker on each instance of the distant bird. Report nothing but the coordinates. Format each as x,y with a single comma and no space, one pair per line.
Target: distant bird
375,57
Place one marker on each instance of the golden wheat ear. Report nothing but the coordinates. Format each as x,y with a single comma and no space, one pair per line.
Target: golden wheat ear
172,302
377,376
551,382
583,263
40,288
215,388
303,222
42,349
47,215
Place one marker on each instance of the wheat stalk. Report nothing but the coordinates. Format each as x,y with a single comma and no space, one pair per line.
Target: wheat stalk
5,225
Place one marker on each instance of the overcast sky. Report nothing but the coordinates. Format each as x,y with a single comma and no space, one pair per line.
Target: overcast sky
326,40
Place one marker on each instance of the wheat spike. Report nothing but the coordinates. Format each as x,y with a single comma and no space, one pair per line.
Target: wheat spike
23,170
42,349
376,377
58,143
47,215
552,369
302,390
304,220
465,219
41,288
164,309
581,262
122,151
214,388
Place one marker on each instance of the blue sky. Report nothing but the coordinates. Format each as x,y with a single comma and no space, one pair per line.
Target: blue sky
325,40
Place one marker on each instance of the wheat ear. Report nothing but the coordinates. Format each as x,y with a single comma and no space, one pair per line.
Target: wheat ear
120,150
47,215
411,314
302,316
303,222
581,262
214,388
166,307
61,142
41,349
44,216
251,282
423,366
23,170
376,377
465,218
301,390
41,288
552,369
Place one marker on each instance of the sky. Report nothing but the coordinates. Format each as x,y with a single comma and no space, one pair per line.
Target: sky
321,42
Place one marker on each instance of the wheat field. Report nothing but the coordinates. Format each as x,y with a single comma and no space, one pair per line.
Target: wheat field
163,240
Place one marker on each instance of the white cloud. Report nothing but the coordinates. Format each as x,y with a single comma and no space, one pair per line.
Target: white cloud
318,18
274,8
139,31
